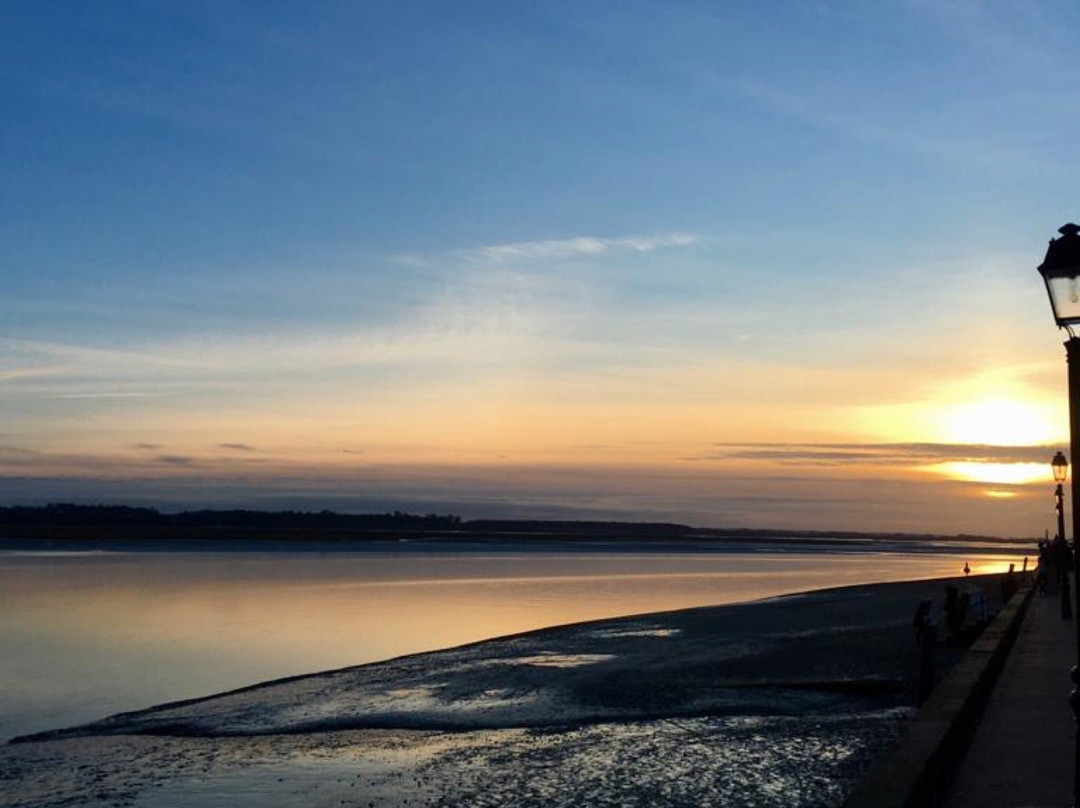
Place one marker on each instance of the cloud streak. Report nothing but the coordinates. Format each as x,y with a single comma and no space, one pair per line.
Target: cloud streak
554,249
876,454
926,138
28,373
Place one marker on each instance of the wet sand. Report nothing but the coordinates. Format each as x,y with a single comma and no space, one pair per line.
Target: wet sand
778,702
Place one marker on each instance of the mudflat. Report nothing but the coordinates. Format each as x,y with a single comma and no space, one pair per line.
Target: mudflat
779,702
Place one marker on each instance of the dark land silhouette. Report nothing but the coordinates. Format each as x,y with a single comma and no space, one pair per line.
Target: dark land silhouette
122,523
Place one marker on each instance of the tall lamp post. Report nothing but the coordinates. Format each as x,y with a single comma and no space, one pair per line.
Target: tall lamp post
1061,272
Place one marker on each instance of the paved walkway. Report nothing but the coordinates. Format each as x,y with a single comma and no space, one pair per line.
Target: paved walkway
1022,752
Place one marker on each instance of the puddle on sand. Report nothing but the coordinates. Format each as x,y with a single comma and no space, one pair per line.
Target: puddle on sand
774,762
312,784
556,660
350,776
618,634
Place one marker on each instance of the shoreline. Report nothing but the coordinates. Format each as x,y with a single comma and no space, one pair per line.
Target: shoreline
230,541
583,625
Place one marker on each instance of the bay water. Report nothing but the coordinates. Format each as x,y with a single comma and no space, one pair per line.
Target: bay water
87,634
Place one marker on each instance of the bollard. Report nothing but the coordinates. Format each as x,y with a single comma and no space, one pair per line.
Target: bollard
927,660
1066,597
925,625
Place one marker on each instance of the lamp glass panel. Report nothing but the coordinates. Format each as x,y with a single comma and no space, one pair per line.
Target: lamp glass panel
1060,464
1065,298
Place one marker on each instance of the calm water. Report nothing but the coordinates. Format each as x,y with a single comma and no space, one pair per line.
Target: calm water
86,635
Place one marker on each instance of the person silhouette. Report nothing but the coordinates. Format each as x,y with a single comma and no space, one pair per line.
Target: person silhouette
967,569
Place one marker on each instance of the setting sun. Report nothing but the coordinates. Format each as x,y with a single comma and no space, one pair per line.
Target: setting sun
998,473
998,422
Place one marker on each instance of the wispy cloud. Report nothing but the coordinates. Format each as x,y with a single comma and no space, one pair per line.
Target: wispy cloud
237,447
146,462
549,249
108,394
926,137
175,460
28,372
69,352
9,452
876,454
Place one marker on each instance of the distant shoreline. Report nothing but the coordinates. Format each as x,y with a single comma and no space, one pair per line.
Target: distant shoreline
231,540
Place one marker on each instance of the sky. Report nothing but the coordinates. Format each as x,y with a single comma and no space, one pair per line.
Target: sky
727,264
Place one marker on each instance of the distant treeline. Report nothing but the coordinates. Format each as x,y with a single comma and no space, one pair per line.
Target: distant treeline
68,515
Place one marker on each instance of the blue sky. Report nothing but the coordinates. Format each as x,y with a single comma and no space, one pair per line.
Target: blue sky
425,252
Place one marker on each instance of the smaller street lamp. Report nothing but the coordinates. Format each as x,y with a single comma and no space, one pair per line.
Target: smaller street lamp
1060,548
1061,470
1060,465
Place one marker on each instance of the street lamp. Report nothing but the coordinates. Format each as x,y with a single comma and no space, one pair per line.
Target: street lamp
1060,547
1061,468
1061,273
1060,465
